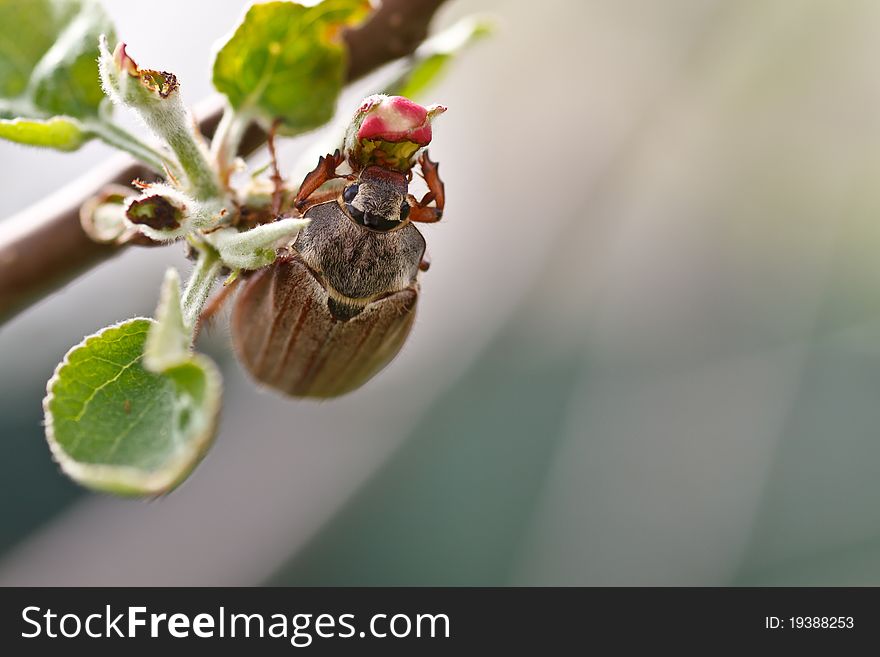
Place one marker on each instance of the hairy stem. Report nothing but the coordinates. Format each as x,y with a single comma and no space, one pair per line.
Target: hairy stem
199,286
193,160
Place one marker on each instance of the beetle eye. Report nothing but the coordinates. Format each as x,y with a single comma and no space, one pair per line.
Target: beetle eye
404,210
349,193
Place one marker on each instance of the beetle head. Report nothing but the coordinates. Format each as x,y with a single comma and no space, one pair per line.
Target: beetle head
377,200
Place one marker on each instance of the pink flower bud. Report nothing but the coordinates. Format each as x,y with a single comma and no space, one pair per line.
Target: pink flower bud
388,131
395,118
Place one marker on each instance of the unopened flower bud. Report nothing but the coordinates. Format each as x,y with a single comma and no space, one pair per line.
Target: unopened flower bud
388,131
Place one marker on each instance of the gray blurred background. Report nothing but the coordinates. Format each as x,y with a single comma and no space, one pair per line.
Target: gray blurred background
647,352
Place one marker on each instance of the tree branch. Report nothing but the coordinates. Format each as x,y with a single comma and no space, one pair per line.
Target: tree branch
43,247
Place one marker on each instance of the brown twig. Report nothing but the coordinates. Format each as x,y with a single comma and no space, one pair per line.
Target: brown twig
43,248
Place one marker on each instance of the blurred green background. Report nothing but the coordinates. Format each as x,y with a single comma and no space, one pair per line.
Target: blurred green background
647,351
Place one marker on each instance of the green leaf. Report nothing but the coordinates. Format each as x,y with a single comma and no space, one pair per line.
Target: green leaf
114,426
287,62
61,132
431,60
50,94
48,54
254,248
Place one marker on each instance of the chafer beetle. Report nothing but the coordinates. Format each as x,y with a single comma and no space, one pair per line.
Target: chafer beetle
337,306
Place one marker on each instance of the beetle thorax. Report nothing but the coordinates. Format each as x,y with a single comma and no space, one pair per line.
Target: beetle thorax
357,265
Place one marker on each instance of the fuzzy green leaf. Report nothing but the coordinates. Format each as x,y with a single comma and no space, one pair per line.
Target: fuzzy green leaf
287,62
60,132
48,55
254,248
50,94
114,426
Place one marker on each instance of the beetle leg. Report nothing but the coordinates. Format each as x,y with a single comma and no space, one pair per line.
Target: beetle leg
437,190
421,211
328,194
326,170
